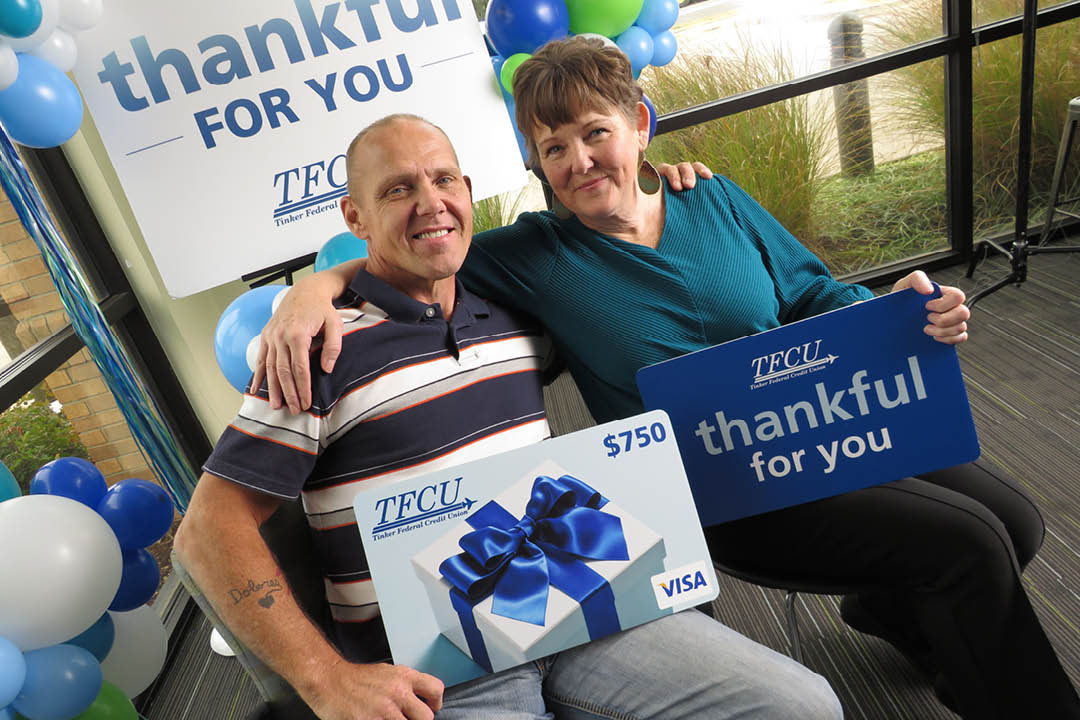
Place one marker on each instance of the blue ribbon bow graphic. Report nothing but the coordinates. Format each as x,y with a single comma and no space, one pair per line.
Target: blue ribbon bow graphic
517,559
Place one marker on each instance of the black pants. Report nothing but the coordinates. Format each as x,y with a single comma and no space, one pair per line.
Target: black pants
946,550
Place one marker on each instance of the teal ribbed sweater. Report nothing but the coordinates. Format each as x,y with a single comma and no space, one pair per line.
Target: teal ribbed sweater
724,268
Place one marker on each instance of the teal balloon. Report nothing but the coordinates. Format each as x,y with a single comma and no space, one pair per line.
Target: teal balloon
20,18
98,638
338,249
9,486
42,108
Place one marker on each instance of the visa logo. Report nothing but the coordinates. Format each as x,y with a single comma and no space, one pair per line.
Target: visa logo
685,586
677,586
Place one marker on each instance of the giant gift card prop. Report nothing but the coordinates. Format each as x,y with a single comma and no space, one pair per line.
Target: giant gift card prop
855,397
496,562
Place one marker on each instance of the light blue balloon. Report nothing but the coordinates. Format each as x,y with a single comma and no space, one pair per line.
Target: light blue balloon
657,15
98,638
637,43
42,108
61,682
9,488
7,713
19,19
242,321
12,671
664,48
338,249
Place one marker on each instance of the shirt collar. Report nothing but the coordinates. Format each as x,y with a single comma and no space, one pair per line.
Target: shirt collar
402,308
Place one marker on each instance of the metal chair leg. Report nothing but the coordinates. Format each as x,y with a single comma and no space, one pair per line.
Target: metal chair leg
793,625
1072,116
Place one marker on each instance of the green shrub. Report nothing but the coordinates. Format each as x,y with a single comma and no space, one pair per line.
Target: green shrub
775,152
497,210
919,94
31,434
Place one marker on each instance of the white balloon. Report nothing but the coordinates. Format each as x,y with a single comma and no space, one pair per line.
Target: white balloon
79,15
60,567
603,38
251,354
58,49
138,652
9,67
50,15
278,298
218,644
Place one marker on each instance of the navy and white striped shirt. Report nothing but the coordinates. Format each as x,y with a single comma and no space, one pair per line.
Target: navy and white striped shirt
411,393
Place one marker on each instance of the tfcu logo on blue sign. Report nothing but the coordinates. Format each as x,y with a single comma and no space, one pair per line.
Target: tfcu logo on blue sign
429,505
683,586
309,189
790,362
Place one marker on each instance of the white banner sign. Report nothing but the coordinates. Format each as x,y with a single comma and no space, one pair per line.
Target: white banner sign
227,122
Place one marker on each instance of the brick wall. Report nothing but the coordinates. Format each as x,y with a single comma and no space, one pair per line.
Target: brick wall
28,290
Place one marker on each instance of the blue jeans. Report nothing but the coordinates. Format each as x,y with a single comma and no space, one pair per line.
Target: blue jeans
685,666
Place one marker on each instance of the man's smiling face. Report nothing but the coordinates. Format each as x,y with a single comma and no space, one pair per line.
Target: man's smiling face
412,203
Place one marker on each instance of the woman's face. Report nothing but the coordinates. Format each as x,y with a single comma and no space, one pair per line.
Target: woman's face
591,163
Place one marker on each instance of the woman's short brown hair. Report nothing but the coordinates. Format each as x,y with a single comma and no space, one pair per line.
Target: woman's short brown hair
567,77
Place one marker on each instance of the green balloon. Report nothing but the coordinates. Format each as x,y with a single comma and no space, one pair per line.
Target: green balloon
506,73
606,17
110,704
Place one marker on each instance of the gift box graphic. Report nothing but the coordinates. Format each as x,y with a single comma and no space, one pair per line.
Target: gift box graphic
547,564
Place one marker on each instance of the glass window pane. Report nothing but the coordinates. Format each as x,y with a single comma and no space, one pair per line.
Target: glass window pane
787,156
996,110
72,412
781,40
984,12
30,308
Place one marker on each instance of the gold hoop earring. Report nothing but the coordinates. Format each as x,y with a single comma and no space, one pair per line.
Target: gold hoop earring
648,178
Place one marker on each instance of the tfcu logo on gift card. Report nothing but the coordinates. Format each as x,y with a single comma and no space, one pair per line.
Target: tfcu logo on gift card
429,505
683,585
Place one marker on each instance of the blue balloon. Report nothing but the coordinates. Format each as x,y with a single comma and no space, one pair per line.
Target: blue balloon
19,19
521,26
241,322
98,638
42,108
338,249
664,48
638,46
657,15
9,486
652,115
138,582
139,512
70,477
61,682
12,671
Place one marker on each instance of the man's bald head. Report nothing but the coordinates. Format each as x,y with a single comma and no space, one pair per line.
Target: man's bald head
385,122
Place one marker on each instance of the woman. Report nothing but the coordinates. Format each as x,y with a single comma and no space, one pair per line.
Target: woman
624,273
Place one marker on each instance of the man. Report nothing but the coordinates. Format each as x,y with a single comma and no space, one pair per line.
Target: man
431,376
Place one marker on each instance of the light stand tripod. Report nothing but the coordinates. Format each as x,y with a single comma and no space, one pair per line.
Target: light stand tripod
1021,249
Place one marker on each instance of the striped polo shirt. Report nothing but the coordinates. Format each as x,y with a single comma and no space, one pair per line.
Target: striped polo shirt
411,393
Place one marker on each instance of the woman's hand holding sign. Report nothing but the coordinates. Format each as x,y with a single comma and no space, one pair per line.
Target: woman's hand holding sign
948,314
